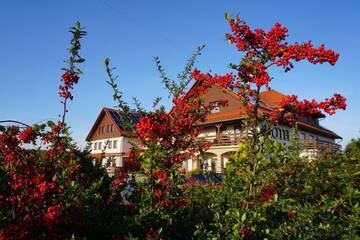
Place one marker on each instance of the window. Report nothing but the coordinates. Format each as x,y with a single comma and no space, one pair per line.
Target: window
95,146
121,161
202,165
237,132
109,144
224,130
237,129
302,136
214,107
115,144
111,128
213,165
99,146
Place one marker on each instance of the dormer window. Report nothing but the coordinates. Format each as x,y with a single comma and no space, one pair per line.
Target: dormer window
101,130
214,107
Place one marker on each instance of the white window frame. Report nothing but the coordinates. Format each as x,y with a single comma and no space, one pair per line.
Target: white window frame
214,107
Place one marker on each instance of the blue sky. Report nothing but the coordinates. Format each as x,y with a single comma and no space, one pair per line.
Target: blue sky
34,39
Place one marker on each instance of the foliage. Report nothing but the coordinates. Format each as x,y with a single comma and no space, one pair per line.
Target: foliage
268,191
352,150
49,189
292,198
163,142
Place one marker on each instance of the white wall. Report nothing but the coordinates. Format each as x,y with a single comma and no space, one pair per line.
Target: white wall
211,132
118,161
308,135
220,150
126,144
123,145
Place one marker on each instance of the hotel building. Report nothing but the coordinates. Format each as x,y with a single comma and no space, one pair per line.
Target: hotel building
223,128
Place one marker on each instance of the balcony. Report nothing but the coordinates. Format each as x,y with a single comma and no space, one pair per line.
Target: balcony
320,145
226,139
231,139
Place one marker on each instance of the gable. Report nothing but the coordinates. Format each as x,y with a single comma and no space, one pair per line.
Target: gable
233,109
103,128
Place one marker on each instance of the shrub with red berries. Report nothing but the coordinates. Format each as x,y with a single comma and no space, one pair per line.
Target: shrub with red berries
49,189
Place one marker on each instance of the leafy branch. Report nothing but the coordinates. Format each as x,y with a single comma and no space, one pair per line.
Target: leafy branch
176,87
74,57
124,109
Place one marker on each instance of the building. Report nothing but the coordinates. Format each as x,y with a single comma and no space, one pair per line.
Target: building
223,128
110,140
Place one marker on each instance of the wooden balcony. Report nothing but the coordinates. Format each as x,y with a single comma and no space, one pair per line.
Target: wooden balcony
320,145
225,139
236,138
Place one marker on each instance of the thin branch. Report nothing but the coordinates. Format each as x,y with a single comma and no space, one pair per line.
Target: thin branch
74,58
185,76
124,108
175,88
14,121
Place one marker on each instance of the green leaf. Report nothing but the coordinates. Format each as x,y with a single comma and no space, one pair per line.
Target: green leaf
80,60
50,123
243,217
107,61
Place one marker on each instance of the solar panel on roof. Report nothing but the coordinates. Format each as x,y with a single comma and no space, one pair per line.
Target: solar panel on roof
135,117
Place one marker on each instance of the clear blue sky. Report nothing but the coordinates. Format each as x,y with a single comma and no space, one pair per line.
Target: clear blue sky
34,38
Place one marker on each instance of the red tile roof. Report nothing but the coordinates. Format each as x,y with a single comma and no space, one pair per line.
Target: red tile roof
269,99
272,97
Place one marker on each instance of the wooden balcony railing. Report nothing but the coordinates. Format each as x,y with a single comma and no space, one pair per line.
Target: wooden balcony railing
225,139
236,138
320,145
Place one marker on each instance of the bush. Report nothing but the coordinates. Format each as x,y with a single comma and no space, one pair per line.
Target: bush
52,190
352,149
291,198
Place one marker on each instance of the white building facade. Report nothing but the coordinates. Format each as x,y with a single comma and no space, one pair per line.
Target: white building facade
223,129
109,141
